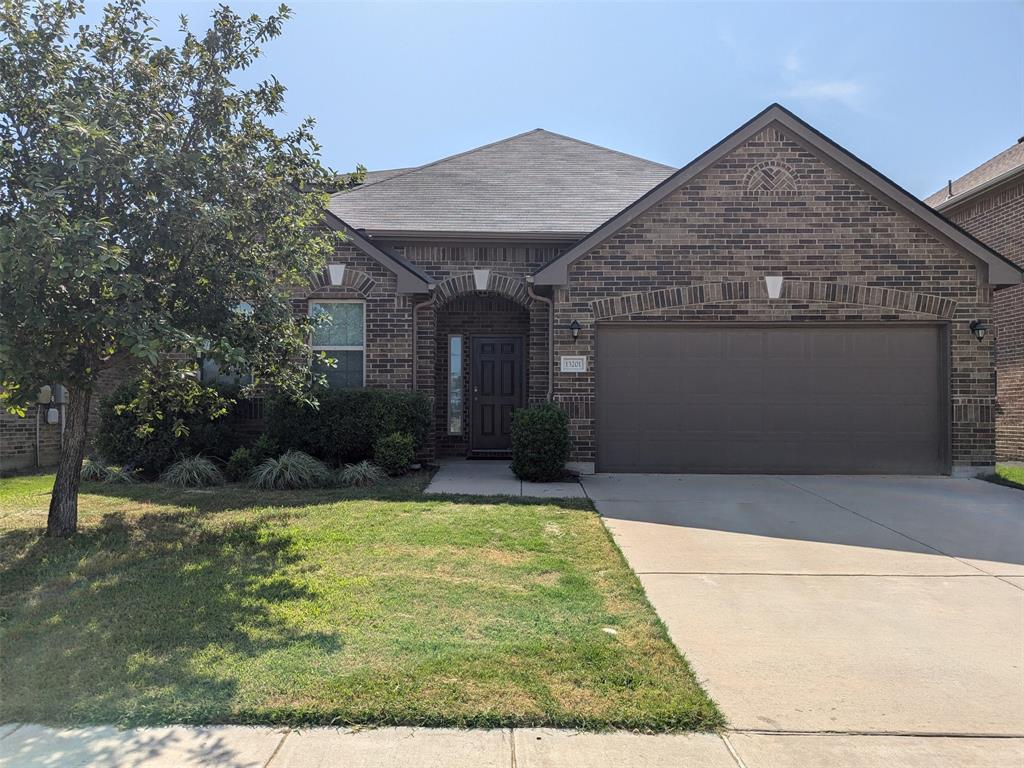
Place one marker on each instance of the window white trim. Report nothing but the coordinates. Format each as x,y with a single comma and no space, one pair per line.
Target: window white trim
334,348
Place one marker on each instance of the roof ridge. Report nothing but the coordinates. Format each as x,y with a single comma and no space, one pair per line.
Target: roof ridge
365,184
449,157
605,149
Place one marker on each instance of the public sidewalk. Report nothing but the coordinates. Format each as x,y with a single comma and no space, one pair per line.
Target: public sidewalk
33,746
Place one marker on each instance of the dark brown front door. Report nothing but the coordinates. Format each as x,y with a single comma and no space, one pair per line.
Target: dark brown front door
497,390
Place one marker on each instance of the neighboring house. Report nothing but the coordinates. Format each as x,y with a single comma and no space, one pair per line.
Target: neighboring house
989,203
775,306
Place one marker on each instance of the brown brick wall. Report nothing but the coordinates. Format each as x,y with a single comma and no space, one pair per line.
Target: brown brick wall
997,219
18,441
845,253
388,315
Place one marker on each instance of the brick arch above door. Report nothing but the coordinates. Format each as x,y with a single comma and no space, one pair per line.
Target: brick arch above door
491,282
792,290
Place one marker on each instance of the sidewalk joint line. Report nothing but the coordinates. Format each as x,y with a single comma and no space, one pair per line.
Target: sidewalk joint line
899,533
512,745
732,751
287,732
901,734
815,575
15,729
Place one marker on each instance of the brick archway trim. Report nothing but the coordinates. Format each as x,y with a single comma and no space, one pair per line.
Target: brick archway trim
793,290
353,279
463,284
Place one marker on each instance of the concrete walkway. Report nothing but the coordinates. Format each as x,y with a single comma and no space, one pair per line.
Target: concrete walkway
32,746
491,477
238,747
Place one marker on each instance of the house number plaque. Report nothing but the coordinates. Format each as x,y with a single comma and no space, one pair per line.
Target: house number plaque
574,364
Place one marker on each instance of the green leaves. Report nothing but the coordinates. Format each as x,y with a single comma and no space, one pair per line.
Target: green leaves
144,197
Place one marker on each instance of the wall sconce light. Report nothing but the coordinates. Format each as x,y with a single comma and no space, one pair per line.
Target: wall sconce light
979,329
574,327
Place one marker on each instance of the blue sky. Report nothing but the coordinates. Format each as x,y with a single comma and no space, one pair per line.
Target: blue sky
922,91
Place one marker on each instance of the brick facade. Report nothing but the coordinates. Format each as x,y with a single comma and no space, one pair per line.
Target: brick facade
997,219
846,254
18,441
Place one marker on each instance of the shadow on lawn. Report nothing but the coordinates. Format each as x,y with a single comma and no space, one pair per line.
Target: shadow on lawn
144,621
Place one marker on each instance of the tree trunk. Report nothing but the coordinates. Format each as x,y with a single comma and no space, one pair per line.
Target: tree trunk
63,518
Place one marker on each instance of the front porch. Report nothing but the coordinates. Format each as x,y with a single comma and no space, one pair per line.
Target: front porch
493,477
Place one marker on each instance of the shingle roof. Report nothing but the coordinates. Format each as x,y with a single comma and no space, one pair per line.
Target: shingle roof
535,183
1006,161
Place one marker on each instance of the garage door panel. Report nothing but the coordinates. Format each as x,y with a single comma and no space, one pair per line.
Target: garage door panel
683,398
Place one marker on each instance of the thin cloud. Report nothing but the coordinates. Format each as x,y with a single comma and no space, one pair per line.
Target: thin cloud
849,93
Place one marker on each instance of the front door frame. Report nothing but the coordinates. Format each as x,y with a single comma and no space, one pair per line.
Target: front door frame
519,396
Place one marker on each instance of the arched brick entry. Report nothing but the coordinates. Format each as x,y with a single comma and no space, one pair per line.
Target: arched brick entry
468,316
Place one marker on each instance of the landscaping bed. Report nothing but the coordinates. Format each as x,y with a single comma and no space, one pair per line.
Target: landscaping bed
342,606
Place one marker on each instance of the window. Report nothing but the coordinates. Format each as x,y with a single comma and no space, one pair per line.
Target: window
455,385
209,369
342,339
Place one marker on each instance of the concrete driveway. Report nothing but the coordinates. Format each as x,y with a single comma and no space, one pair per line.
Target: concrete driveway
836,604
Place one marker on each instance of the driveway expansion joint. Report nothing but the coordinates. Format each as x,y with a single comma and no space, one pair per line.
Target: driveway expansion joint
869,734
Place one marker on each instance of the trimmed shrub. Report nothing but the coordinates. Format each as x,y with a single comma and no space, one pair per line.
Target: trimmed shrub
540,443
239,465
293,469
118,439
95,471
192,472
348,422
394,453
360,475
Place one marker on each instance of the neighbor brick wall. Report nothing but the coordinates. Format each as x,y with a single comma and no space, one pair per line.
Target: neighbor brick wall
18,441
997,219
846,254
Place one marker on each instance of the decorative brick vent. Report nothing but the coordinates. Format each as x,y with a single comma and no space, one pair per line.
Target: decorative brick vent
771,179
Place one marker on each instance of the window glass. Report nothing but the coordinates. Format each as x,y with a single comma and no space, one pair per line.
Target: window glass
455,385
345,328
340,338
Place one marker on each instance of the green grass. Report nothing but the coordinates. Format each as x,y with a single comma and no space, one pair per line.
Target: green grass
1007,475
373,606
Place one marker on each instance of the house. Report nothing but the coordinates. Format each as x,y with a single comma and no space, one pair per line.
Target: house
776,305
988,202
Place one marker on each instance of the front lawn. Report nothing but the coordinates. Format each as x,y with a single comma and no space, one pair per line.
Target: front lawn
333,606
1012,476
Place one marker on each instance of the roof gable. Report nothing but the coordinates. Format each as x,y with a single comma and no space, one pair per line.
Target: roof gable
410,278
1001,271
537,183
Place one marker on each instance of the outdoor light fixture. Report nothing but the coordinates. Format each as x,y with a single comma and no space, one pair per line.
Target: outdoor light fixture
574,326
979,329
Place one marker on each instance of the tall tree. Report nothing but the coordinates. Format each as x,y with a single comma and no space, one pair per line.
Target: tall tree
143,199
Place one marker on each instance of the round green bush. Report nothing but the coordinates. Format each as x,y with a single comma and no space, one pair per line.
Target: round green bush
540,443
394,453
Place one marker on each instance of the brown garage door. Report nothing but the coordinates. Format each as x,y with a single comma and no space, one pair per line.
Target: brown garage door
783,398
